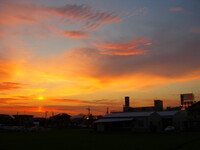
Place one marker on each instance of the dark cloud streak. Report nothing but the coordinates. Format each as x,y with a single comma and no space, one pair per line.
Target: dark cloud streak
4,86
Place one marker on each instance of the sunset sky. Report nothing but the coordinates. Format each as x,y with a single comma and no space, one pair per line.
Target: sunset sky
67,55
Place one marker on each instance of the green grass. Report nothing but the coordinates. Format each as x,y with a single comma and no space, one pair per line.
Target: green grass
84,139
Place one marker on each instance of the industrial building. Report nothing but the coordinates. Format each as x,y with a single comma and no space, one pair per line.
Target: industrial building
129,121
23,120
158,106
142,119
6,120
177,119
149,121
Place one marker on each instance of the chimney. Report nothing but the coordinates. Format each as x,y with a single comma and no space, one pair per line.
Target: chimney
158,105
127,101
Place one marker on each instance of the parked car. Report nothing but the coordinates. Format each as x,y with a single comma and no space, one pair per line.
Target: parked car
169,128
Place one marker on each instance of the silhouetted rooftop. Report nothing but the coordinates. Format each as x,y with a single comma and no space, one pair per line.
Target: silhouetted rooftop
129,114
167,113
113,120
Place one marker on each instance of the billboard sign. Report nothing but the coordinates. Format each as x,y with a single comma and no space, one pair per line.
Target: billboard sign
187,97
187,100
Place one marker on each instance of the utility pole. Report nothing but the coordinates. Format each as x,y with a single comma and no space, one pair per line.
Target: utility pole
88,111
107,112
46,113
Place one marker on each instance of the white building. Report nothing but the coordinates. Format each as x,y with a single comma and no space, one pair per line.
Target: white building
141,121
129,121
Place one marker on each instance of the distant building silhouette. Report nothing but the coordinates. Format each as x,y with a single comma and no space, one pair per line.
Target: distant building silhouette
40,121
6,120
127,101
173,108
158,106
148,121
60,120
129,121
194,117
77,121
176,119
23,120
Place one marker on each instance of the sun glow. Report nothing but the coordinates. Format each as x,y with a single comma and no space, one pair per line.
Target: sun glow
40,98
40,109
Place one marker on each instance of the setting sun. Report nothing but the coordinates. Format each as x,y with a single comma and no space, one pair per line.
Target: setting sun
40,98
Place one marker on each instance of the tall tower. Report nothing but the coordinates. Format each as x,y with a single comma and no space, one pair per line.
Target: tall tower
88,111
126,106
107,111
127,101
158,105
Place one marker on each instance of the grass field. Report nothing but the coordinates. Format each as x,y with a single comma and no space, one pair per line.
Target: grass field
84,139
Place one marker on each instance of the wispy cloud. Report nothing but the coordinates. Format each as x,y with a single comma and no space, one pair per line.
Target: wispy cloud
91,17
176,9
89,102
130,48
5,68
13,12
143,11
68,101
75,34
10,86
12,101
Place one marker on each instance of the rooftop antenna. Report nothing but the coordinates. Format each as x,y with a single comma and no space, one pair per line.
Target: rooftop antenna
107,112
88,110
46,113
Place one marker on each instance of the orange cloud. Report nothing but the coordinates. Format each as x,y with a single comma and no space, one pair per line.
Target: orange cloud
143,11
75,34
126,52
130,48
67,75
91,17
89,102
176,9
8,99
14,12
18,100
10,86
6,69
67,101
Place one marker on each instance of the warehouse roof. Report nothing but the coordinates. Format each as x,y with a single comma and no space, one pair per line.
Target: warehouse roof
167,113
128,114
113,120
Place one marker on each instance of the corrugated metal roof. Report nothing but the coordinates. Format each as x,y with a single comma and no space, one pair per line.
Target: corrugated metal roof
167,113
128,114
113,120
